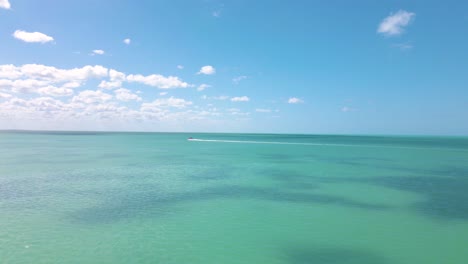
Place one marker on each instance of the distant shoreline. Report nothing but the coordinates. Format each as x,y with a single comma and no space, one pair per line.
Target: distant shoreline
227,133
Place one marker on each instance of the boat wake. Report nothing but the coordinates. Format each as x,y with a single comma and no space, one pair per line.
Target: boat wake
270,142
318,144
244,141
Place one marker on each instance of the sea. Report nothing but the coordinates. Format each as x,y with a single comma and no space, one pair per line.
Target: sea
95,197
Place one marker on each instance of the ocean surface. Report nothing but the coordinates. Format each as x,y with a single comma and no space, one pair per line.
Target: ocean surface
84,197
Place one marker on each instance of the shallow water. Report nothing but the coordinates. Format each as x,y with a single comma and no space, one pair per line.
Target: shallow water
73,197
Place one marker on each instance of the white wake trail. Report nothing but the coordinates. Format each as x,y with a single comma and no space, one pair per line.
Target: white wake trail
317,144
267,142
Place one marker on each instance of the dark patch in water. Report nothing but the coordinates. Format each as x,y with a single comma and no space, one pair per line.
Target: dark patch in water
445,187
446,196
114,155
351,161
129,205
441,171
292,179
278,157
212,174
332,256
14,190
300,186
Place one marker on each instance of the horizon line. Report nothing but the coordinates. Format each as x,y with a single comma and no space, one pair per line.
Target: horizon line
256,133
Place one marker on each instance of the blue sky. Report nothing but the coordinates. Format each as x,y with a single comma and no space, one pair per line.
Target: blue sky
341,67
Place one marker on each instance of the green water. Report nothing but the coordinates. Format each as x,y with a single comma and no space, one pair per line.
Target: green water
158,198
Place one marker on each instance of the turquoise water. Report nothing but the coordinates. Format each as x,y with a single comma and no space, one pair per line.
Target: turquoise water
241,198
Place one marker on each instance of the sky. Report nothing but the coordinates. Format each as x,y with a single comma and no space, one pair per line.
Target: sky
266,66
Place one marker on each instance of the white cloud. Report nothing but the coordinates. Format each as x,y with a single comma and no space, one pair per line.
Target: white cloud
4,95
347,109
203,87
22,86
180,67
198,115
110,85
37,86
10,71
127,41
240,113
126,95
261,110
162,93
53,74
394,24
220,98
116,79
31,77
208,70
103,107
403,46
37,105
40,84
116,75
165,102
57,112
32,37
55,91
240,99
45,104
295,100
98,52
50,81
158,81
238,79
90,97
216,13
71,85
5,4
